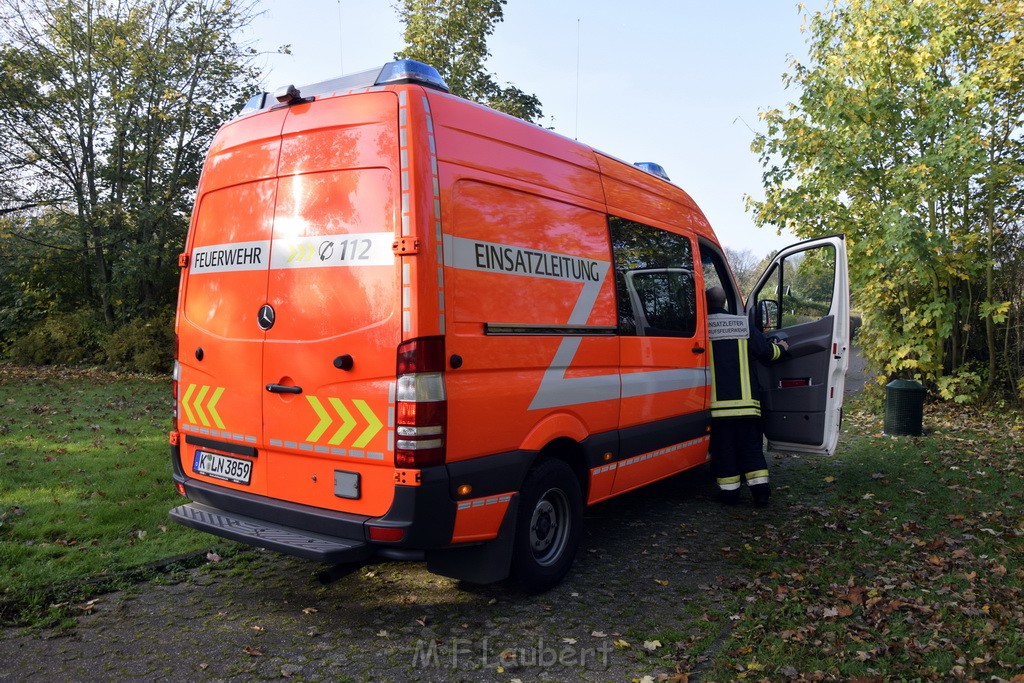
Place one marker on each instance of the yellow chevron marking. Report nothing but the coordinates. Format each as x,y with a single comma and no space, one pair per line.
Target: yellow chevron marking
199,405
325,419
303,251
185,400
373,427
212,407
347,421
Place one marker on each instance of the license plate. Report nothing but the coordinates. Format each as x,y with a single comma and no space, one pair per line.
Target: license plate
222,467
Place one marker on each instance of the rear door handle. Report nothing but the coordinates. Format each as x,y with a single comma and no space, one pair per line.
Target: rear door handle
698,349
283,389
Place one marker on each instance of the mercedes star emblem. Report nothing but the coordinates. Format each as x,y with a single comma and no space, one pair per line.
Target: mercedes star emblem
265,319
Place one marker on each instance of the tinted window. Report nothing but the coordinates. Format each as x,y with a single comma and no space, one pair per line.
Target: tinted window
654,280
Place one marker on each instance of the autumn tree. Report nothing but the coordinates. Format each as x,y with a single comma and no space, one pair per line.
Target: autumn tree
451,36
106,108
746,266
907,136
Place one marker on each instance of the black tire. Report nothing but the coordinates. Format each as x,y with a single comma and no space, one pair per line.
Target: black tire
549,526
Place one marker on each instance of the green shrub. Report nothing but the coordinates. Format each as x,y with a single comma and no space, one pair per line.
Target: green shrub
963,386
143,345
60,339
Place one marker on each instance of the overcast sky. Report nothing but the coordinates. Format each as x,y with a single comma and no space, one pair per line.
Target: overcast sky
678,82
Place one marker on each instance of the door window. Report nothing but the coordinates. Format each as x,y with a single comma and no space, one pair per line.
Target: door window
799,289
657,294
717,274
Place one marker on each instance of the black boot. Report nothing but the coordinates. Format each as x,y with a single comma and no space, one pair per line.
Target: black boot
762,494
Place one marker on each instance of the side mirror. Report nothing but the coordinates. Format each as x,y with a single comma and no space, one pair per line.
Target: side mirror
767,315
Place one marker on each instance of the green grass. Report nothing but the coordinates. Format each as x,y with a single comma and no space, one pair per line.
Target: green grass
899,558
85,488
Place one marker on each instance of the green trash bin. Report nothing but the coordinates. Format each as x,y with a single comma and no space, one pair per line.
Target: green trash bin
904,407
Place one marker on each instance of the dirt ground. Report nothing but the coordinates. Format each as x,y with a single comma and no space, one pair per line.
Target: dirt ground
652,562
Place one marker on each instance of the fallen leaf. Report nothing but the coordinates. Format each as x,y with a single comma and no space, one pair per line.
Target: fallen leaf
598,634
212,557
251,651
855,595
652,645
620,643
309,610
661,582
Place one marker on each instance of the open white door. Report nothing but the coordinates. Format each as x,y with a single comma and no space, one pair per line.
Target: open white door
804,298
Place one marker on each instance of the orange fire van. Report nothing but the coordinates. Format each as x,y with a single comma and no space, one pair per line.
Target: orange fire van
412,327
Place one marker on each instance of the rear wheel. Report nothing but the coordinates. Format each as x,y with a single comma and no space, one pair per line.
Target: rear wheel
549,526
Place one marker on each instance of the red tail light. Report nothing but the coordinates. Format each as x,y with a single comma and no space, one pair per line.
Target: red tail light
421,403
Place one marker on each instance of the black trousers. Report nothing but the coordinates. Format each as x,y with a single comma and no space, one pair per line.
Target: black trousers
737,455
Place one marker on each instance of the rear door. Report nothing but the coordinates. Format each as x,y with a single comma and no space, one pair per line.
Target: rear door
328,370
220,344
803,297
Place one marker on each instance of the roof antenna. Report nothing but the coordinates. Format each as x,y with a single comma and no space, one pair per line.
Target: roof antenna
576,134
341,41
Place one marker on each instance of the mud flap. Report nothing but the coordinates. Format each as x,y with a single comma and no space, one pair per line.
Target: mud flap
485,562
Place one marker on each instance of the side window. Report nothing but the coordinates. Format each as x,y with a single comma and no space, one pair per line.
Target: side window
716,273
655,286
799,289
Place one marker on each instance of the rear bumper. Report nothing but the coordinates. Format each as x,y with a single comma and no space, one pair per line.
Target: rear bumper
306,544
425,513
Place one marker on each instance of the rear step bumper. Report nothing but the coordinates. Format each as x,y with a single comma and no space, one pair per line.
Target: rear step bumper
264,534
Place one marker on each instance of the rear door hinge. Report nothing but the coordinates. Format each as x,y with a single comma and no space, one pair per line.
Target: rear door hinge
406,245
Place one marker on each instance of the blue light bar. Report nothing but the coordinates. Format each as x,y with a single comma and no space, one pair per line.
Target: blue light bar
653,169
411,71
392,73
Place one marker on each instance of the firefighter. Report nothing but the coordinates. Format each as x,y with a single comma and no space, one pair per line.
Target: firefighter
736,433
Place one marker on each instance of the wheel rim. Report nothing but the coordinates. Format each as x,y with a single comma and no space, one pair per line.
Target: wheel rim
549,527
